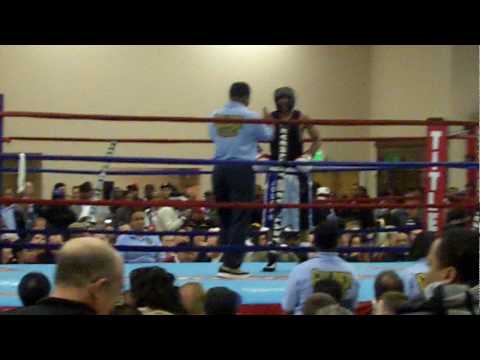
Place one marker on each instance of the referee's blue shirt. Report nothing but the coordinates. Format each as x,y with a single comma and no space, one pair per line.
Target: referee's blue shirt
414,277
237,141
326,265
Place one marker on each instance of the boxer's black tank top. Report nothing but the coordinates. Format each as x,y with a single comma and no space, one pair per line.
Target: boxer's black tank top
295,144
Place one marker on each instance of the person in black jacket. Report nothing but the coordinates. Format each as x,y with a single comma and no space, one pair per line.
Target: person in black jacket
59,217
88,281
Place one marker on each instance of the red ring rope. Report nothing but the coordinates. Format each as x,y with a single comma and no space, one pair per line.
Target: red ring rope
231,205
206,141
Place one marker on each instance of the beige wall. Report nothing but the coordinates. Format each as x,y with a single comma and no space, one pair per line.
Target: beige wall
171,80
393,82
417,82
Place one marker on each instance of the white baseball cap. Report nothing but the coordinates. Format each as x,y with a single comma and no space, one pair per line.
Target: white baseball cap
323,191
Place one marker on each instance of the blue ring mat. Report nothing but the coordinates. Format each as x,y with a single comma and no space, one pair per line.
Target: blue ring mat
261,288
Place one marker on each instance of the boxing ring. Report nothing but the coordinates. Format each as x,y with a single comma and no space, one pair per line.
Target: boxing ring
261,288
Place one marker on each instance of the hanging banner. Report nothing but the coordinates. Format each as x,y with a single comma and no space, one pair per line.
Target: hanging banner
435,177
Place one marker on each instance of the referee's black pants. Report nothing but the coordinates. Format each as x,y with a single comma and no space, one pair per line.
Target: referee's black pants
234,183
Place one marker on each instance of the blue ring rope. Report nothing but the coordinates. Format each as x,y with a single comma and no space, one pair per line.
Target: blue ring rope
224,248
141,160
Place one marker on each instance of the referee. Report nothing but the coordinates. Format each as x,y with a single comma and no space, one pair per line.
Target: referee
235,182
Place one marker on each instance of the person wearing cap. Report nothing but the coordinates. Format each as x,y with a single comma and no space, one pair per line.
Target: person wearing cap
235,182
296,185
321,214
326,265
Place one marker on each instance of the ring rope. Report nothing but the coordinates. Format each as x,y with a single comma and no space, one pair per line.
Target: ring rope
230,205
177,161
206,141
224,248
130,118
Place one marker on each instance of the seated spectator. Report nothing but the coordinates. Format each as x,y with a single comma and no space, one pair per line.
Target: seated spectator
222,301
330,287
125,309
414,276
211,215
154,292
327,264
192,297
167,218
451,283
12,218
33,287
85,213
88,281
390,302
149,192
78,230
457,218
137,223
185,256
316,301
59,217
386,281
334,309
75,195
213,240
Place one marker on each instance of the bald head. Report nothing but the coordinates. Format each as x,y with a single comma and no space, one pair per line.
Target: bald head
84,260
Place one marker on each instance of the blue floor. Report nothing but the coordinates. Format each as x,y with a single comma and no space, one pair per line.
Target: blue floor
261,288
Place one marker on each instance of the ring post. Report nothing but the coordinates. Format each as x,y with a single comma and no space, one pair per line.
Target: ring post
435,177
472,156
1,142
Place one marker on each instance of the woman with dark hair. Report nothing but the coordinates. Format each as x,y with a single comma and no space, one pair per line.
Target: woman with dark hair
154,292
413,277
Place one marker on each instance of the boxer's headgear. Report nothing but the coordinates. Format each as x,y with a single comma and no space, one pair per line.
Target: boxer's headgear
285,92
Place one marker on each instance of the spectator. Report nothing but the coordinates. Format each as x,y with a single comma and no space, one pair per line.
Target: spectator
12,217
88,213
211,215
137,223
327,264
124,213
33,287
316,301
154,292
222,301
149,192
452,279
212,241
414,276
385,281
390,302
185,256
59,217
167,218
334,309
88,281
75,195
28,211
323,304
320,215
78,230
125,309
133,192
330,287
192,297
457,218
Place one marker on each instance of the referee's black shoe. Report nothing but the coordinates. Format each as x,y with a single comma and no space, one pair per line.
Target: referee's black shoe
233,274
